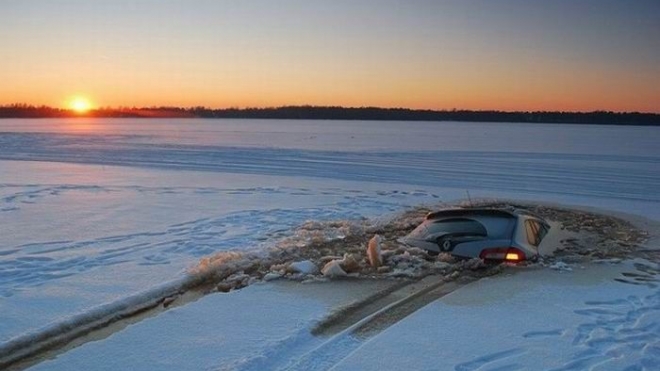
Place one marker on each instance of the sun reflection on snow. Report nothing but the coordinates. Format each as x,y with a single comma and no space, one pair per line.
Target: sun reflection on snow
84,125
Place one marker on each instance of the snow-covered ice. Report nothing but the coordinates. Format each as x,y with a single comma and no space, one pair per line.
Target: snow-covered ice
96,213
245,329
88,235
537,320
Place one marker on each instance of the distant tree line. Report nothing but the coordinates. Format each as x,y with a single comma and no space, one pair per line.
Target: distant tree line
342,113
29,111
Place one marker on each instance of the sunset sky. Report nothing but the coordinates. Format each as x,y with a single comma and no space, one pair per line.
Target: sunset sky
488,54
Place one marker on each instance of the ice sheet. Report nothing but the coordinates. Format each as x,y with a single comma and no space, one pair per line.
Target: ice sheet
94,235
247,329
95,211
541,320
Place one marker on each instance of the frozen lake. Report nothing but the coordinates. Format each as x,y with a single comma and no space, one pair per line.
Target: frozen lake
95,210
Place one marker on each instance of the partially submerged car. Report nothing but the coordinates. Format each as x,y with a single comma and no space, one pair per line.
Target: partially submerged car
493,234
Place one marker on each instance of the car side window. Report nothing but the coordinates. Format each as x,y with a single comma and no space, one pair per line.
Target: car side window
533,231
543,230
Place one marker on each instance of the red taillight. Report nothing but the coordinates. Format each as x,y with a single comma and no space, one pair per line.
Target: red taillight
503,253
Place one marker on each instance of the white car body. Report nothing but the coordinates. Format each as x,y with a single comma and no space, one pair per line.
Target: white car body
491,234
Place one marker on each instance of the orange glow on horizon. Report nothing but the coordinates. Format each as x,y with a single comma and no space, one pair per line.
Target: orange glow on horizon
80,105
498,91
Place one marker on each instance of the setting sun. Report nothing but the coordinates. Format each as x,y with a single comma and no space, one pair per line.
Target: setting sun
80,105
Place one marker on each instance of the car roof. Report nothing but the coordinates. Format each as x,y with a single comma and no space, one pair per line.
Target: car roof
482,211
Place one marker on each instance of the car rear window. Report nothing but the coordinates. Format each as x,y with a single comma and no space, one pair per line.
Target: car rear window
449,226
498,227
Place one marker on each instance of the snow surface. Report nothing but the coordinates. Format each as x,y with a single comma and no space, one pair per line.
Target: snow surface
96,212
538,320
90,235
252,328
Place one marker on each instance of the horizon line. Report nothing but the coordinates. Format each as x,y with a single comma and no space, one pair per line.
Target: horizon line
245,108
